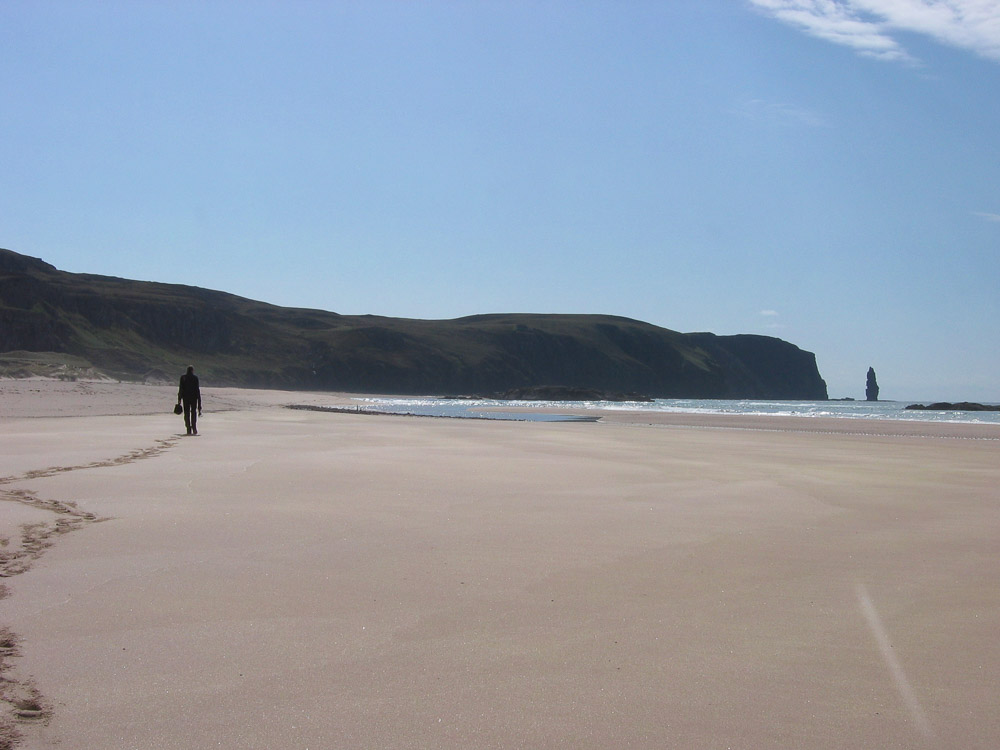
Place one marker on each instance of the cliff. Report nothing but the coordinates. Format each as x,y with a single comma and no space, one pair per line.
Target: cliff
132,329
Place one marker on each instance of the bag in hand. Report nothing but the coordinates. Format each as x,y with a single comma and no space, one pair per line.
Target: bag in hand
178,409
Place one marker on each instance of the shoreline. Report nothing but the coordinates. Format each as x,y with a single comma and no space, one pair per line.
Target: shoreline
41,398
751,422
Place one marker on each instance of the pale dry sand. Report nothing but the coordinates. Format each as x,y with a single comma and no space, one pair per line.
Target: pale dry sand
294,579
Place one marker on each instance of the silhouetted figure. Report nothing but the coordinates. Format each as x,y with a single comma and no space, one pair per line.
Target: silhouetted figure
871,390
190,394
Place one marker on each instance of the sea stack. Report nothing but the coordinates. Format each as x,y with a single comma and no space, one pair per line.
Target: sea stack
871,389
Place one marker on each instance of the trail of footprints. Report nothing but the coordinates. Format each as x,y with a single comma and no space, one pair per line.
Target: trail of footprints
20,701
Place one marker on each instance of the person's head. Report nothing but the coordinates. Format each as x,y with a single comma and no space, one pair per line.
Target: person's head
190,370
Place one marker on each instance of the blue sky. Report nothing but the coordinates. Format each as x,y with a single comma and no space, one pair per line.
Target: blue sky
821,171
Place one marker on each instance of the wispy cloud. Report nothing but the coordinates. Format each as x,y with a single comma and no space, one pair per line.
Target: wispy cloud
987,216
779,113
871,26
772,319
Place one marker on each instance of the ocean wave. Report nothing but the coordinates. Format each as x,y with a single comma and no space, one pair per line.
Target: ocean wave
537,410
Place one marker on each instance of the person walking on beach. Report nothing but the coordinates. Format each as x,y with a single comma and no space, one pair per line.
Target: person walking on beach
190,394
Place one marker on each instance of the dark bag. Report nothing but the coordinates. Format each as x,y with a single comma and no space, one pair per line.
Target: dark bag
178,409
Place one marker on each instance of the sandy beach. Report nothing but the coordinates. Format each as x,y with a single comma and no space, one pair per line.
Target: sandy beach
299,579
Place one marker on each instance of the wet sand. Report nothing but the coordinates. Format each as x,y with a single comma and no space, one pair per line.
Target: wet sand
305,579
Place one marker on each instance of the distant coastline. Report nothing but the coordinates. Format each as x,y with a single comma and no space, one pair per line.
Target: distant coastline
70,325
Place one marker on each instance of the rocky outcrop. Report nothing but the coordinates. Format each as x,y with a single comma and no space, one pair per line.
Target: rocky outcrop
129,328
948,406
871,387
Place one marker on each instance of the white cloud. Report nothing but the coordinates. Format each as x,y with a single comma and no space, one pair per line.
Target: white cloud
777,113
769,313
870,26
987,215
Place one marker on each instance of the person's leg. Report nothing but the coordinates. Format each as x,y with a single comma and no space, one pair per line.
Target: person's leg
194,417
190,412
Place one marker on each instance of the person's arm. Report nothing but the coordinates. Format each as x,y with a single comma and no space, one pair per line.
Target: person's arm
180,389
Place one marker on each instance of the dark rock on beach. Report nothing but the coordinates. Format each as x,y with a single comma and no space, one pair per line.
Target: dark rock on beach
948,406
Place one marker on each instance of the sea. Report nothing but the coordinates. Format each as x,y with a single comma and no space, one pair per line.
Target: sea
536,411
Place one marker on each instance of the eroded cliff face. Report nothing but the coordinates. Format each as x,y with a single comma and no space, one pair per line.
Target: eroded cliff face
765,367
123,325
131,328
